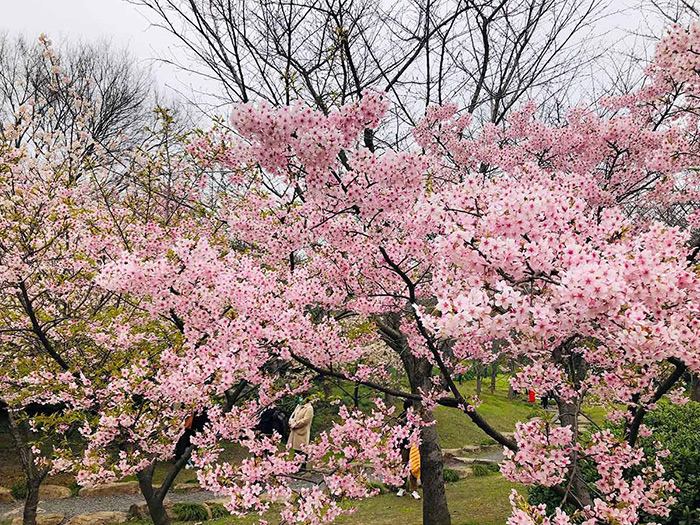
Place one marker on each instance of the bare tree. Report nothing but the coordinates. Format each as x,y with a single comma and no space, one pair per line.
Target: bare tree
119,91
488,57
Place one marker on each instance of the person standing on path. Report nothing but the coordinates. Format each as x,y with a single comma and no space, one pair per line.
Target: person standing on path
300,427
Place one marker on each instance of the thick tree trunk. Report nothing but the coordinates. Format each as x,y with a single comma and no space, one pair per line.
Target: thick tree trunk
155,497
419,372
19,428
568,415
435,510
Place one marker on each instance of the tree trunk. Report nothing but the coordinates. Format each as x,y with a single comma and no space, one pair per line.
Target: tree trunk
419,372
511,390
31,504
155,497
327,390
356,396
435,510
19,428
478,380
494,372
389,400
695,388
568,415
154,500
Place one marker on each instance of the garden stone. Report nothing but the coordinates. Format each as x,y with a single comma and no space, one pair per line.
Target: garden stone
110,489
43,519
98,518
6,495
47,492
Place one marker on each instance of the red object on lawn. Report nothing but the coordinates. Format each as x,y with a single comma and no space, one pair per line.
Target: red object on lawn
532,396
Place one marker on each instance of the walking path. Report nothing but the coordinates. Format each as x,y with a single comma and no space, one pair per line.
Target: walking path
74,506
119,503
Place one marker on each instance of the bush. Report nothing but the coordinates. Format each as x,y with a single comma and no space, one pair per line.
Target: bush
74,488
19,490
482,470
190,512
218,510
449,475
676,428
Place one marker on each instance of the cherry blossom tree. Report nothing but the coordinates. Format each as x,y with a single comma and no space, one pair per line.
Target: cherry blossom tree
544,239
69,203
541,241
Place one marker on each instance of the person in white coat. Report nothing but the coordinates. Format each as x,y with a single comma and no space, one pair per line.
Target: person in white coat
300,427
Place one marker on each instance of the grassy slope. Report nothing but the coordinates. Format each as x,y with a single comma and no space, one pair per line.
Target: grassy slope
456,429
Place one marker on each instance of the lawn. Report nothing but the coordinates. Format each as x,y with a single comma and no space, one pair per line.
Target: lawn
472,501
477,501
456,428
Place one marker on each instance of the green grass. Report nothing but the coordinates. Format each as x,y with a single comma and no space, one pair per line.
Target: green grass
473,501
456,429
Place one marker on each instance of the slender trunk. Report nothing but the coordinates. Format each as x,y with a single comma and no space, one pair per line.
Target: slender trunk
695,388
478,380
19,428
511,390
389,400
494,372
154,501
31,504
356,395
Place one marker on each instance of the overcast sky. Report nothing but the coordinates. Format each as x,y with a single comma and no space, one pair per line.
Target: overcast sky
126,26
114,20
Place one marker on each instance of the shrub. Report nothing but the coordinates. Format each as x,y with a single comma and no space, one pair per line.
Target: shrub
190,512
676,428
482,470
449,475
218,510
74,488
19,490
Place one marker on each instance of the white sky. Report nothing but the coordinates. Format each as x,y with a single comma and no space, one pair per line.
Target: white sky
89,20
128,27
